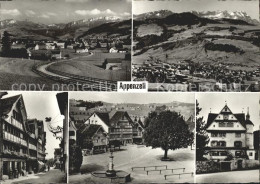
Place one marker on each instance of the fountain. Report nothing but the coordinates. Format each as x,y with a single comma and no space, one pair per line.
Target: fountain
111,175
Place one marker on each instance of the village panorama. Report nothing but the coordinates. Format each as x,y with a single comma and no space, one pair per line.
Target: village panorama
196,45
43,48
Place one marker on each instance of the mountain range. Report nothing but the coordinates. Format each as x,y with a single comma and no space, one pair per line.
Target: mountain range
75,28
215,15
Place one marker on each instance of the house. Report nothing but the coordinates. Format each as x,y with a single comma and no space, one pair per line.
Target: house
18,46
121,128
112,63
22,141
113,50
127,47
93,139
122,50
61,45
50,46
99,118
231,138
72,132
118,125
57,158
81,50
40,46
55,54
138,131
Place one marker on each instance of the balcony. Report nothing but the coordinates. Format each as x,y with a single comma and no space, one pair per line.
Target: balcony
13,138
32,147
16,123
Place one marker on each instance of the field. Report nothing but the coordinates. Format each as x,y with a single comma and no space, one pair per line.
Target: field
91,66
134,156
15,72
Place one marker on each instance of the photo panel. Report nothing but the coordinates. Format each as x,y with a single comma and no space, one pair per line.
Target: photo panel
65,45
197,45
33,137
131,137
227,137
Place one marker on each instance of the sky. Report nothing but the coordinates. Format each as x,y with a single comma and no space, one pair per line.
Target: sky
138,98
63,11
40,105
251,7
237,102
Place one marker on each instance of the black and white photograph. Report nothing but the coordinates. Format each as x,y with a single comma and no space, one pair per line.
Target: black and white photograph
227,138
196,45
33,143
131,137
65,44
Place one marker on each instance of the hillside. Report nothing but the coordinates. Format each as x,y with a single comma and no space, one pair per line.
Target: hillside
198,38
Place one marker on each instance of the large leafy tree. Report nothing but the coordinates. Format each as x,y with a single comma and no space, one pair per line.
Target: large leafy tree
167,130
6,44
202,138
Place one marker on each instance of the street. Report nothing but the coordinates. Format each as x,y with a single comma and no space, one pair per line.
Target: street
247,176
52,176
139,156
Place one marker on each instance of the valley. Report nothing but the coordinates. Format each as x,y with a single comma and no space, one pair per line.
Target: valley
196,50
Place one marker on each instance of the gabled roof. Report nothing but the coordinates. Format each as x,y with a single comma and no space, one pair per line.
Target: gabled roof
113,60
249,122
90,130
104,116
118,115
239,116
6,104
211,117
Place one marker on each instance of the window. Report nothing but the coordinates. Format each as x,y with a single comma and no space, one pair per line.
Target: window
237,144
238,153
230,124
223,153
214,143
221,124
250,154
214,134
222,134
71,133
215,153
238,134
222,143
225,117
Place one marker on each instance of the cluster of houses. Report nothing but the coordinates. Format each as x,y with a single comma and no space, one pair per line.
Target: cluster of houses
46,49
232,141
182,72
22,140
105,129
108,126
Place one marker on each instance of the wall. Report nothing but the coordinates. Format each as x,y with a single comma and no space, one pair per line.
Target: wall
207,167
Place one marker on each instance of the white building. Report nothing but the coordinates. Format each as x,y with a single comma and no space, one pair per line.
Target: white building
230,137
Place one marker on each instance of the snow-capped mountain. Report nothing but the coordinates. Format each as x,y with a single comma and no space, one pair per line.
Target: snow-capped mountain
237,15
155,14
19,23
92,22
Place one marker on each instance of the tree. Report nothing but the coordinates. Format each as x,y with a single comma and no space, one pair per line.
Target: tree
6,45
75,158
167,130
202,138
